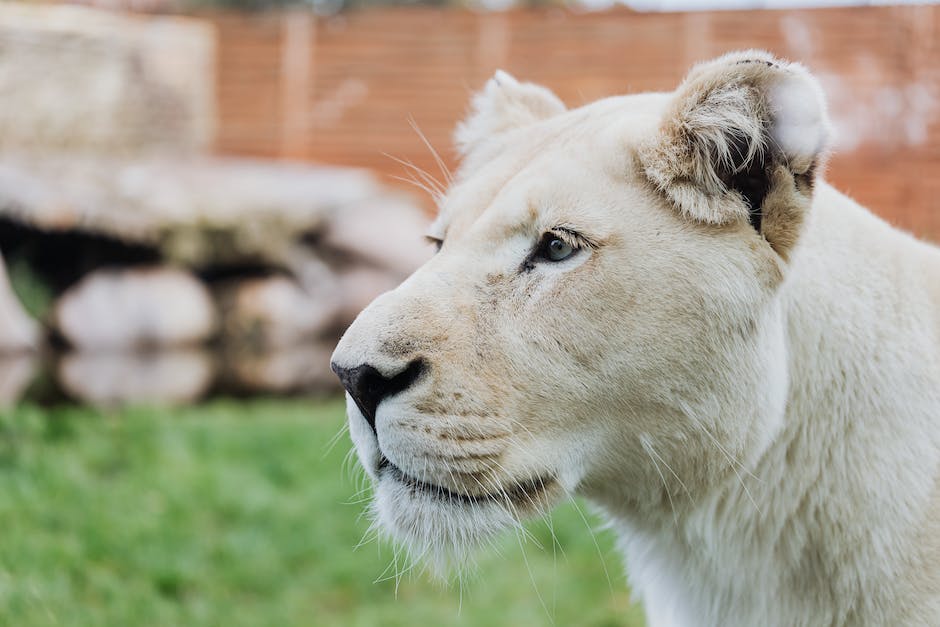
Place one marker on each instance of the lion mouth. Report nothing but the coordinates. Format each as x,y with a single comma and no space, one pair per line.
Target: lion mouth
519,494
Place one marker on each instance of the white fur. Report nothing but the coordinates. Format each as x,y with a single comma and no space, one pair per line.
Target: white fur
504,104
799,125
756,413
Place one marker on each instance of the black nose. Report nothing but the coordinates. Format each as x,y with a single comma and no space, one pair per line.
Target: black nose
368,387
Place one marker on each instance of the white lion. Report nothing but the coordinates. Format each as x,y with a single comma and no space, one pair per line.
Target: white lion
654,301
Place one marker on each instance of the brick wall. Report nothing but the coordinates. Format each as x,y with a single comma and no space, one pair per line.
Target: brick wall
342,90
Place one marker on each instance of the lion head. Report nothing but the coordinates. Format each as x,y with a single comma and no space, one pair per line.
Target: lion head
603,315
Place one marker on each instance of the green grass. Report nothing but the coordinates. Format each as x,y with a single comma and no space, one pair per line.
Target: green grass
238,514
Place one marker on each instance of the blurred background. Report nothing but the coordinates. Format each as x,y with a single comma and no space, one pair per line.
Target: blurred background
198,196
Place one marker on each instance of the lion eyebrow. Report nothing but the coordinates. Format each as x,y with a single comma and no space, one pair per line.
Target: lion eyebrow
574,237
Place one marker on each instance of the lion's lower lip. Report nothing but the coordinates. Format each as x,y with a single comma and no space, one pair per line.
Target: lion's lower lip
519,493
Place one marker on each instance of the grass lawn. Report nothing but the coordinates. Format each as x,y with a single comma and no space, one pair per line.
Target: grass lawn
237,513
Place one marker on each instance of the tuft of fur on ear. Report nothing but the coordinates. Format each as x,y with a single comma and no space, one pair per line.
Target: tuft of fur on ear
734,123
502,105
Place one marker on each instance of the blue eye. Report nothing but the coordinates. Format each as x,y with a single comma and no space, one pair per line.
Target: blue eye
553,248
558,250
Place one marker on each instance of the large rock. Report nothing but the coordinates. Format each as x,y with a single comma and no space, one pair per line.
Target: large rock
197,211
18,332
387,233
78,79
171,377
106,128
358,286
120,309
273,312
290,369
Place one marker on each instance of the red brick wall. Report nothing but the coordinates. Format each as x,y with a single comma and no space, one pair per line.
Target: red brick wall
342,90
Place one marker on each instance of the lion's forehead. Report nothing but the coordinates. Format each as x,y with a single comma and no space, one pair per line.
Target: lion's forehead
554,172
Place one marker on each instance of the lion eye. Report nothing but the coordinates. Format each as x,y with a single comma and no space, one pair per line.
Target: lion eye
554,248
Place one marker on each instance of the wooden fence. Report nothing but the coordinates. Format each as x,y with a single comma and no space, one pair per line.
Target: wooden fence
344,89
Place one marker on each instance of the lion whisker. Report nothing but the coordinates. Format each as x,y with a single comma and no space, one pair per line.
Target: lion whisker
333,441
597,546
535,586
732,463
652,451
423,174
646,447
435,196
437,157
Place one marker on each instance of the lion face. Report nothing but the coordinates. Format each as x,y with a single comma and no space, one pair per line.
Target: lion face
597,320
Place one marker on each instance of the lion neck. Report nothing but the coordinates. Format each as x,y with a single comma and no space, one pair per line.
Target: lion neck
822,525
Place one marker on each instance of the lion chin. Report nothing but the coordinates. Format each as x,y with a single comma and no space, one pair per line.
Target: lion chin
442,526
654,302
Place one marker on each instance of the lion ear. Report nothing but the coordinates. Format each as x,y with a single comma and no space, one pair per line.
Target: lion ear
742,140
502,105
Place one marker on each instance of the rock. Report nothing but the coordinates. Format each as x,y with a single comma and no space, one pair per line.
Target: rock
16,373
78,79
358,286
137,307
298,368
197,211
387,233
273,312
173,377
18,332
106,137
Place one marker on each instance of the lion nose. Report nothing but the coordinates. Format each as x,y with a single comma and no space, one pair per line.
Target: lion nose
368,387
